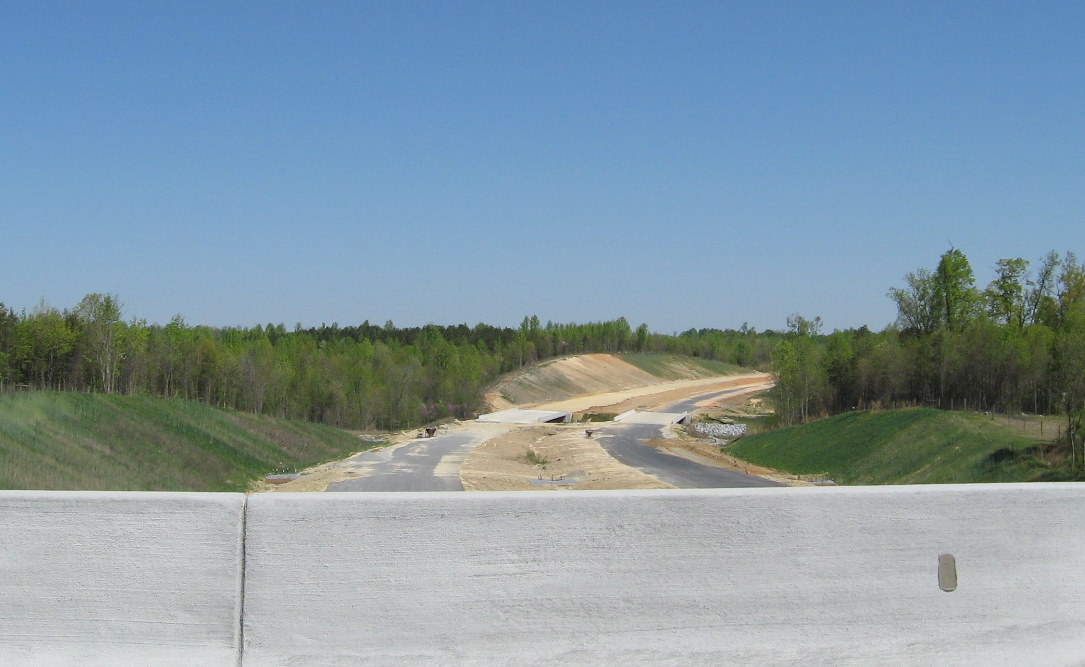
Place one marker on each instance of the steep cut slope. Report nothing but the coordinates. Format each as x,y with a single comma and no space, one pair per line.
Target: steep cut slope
597,373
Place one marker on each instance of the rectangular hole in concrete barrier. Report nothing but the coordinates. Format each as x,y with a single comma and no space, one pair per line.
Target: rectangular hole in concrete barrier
947,573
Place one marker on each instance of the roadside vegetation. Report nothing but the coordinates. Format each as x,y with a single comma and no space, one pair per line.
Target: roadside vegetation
1015,346
910,446
533,458
360,377
71,440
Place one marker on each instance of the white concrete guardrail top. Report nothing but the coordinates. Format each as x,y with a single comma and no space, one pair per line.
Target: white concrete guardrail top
946,575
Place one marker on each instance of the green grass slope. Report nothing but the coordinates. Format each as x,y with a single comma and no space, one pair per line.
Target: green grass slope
675,367
914,446
62,440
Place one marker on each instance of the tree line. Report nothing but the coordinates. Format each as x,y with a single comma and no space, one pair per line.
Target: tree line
364,376
1014,345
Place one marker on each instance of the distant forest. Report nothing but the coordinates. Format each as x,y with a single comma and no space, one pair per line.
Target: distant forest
1015,344
358,377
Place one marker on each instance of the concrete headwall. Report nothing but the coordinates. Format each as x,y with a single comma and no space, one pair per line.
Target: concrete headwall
777,576
661,418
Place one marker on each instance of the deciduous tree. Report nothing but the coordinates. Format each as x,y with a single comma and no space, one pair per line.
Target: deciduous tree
100,315
955,289
1006,295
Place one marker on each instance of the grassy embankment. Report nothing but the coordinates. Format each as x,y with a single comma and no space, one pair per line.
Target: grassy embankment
913,446
673,367
67,440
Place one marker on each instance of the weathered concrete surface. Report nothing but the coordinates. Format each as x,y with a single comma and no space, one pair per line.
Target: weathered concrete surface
120,578
659,418
750,576
521,416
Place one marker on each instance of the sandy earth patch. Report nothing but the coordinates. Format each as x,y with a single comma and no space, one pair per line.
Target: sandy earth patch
536,458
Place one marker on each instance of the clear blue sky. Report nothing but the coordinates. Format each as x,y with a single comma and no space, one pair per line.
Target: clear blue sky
682,164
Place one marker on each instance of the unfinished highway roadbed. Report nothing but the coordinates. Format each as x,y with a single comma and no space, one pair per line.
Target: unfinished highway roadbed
512,447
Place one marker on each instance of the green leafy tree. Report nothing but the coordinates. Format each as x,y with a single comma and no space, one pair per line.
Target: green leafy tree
1071,287
135,357
799,375
100,315
918,307
955,290
1040,305
1006,295
44,344
841,371
642,338
9,321
1069,360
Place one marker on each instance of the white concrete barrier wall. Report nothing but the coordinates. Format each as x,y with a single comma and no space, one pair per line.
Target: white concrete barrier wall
765,576
120,578
751,576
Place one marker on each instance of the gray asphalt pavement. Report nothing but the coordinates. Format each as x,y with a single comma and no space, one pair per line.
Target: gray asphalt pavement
625,444
412,466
